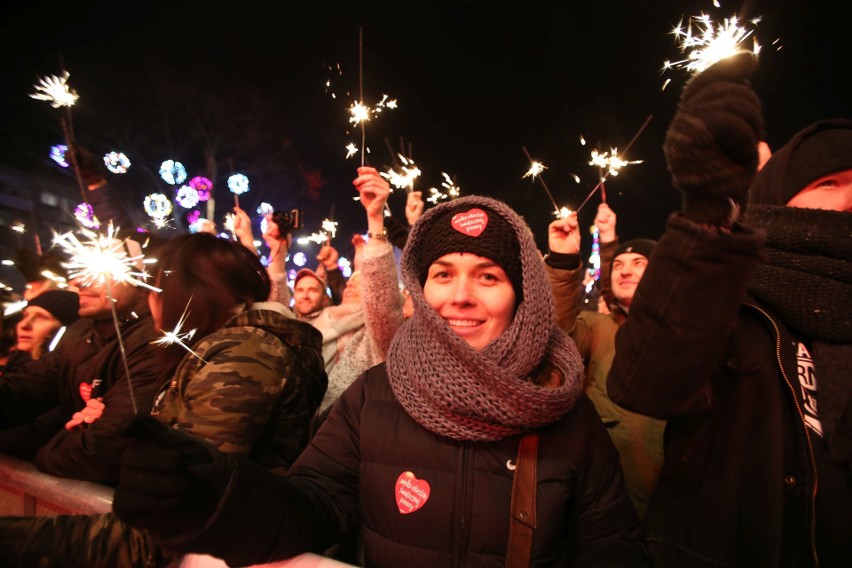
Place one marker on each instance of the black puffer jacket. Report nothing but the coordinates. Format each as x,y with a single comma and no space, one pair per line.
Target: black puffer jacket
370,452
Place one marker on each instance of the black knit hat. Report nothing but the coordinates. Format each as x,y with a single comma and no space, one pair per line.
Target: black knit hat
62,304
822,148
637,246
477,229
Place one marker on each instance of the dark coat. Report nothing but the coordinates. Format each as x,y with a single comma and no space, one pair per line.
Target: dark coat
737,486
351,473
38,399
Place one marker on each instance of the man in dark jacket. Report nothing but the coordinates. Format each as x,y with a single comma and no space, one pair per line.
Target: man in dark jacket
735,352
38,401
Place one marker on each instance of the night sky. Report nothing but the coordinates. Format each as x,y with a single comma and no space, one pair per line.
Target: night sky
476,82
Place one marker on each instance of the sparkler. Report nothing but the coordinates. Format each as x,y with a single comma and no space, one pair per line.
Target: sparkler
328,232
711,42
105,260
404,176
535,171
453,190
626,149
610,161
178,337
55,90
359,112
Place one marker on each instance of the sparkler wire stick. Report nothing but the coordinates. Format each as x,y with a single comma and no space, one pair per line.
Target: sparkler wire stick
623,153
121,349
361,89
544,185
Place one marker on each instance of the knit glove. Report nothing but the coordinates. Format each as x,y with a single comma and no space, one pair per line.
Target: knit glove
711,143
171,482
91,168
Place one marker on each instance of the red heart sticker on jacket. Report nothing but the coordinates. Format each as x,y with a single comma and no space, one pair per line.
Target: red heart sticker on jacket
470,223
85,391
411,493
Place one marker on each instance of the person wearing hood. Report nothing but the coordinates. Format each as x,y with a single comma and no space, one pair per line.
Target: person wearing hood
740,335
480,399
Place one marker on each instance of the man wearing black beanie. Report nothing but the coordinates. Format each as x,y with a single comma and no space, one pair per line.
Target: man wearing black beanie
638,438
739,327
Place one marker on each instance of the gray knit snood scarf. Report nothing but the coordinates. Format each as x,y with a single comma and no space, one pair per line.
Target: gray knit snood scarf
806,280
451,389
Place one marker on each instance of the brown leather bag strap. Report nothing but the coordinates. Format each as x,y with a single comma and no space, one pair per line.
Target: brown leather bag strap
523,519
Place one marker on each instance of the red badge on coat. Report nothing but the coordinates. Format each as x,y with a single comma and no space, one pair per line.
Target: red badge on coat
411,493
86,389
470,223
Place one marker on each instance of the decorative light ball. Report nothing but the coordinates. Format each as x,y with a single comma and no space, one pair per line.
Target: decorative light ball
172,172
238,184
158,206
187,197
203,186
117,162
57,154
86,216
345,266
299,259
265,208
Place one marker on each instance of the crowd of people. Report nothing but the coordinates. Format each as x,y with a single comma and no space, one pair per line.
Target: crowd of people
476,411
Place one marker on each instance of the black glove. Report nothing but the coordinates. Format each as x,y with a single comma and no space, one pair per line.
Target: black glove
171,482
91,168
711,143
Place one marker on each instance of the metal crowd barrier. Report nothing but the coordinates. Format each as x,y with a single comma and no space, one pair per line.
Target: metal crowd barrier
25,491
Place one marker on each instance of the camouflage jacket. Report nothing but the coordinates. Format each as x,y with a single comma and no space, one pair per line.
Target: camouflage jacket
251,387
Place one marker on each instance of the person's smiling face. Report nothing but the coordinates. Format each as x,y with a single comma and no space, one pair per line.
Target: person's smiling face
473,295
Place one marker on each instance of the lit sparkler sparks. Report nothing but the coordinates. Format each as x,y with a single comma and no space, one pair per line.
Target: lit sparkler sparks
55,90
404,176
535,169
328,232
102,258
178,337
711,42
351,150
610,161
453,190
19,228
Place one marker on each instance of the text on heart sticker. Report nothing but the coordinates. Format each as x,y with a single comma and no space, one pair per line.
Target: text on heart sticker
470,223
411,493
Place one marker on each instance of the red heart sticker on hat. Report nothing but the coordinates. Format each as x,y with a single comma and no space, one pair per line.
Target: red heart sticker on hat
411,493
470,223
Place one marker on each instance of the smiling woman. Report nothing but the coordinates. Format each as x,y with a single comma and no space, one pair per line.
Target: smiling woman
478,372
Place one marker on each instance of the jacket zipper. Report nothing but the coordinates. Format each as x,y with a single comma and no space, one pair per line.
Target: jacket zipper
462,530
812,513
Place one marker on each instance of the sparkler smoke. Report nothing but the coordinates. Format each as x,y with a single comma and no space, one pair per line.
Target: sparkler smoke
104,260
711,42
535,170
624,153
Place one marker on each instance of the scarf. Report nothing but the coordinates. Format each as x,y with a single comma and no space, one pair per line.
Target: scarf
527,378
806,279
